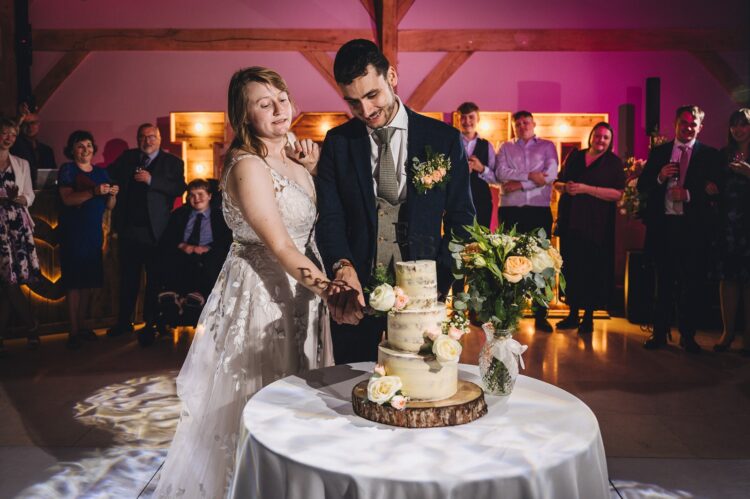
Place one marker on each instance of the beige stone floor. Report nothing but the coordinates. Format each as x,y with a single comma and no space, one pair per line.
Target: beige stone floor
673,424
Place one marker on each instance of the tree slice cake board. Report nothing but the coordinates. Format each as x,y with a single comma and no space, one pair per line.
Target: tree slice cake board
464,407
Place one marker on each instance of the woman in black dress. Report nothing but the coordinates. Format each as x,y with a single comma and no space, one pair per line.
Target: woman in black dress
733,244
591,182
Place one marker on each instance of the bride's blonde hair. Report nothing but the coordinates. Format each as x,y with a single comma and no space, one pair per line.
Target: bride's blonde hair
245,137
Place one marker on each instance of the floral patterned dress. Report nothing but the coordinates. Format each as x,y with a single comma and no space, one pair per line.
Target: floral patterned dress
18,260
258,325
733,241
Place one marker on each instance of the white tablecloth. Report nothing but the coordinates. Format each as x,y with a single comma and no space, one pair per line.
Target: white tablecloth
302,440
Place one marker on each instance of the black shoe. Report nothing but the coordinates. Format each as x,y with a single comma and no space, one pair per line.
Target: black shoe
718,348
147,335
88,335
586,327
689,344
119,330
570,322
170,307
33,342
74,342
543,324
654,342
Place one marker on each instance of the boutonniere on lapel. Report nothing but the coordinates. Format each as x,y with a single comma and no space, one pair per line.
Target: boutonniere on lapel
431,173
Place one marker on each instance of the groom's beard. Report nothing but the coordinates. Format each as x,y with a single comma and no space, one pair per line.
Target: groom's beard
387,112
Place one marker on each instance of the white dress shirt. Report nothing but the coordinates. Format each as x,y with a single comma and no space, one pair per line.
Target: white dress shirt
676,207
398,149
516,159
469,145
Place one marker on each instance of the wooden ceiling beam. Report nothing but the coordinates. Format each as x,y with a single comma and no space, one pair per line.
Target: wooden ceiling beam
435,79
265,40
323,63
369,6
572,40
57,75
388,29
8,64
725,74
403,8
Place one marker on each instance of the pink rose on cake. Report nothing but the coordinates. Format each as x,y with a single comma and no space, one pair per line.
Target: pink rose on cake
433,333
401,299
398,402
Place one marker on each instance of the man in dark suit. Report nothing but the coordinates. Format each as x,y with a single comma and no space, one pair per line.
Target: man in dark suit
678,183
28,147
194,244
370,210
481,157
150,179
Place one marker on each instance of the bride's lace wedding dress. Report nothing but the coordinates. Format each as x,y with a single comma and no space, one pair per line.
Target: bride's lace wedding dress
257,326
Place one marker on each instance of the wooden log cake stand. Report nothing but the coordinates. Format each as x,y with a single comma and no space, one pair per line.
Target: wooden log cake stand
464,407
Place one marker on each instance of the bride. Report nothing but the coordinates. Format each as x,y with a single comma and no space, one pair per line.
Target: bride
265,318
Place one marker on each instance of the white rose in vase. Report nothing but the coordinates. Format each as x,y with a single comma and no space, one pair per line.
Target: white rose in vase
383,298
541,260
446,349
381,390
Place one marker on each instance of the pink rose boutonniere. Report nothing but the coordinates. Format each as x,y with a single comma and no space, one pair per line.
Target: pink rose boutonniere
431,173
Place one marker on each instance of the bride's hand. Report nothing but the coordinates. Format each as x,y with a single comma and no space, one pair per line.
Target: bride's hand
306,153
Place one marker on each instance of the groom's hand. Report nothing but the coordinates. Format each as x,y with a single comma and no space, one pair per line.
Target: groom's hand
347,304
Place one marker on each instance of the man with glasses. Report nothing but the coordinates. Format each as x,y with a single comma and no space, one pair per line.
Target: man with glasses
28,147
150,179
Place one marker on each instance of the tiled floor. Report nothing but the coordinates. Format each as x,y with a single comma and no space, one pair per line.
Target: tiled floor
74,424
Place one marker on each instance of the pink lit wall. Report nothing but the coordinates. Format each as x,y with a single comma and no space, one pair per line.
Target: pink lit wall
112,92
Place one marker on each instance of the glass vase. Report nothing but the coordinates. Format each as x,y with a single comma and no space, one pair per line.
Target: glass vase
499,360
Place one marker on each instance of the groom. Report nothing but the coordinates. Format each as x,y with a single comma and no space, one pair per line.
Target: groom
370,210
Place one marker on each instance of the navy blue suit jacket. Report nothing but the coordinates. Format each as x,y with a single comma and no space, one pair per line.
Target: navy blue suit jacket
347,226
702,169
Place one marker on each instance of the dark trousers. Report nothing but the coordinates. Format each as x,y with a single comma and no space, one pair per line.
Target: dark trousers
678,260
482,197
357,343
526,219
188,273
134,256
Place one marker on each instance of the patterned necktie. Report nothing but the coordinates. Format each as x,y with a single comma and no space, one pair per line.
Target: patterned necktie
195,235
387,181
684,160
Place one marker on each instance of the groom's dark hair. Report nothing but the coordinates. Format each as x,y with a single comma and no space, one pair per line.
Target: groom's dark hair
353,58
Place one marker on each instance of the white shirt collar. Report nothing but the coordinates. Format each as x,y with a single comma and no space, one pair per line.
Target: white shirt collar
690,144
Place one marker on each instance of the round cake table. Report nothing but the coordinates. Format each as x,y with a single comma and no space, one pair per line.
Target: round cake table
302,440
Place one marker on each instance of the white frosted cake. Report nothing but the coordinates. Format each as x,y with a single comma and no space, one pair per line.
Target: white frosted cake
407,351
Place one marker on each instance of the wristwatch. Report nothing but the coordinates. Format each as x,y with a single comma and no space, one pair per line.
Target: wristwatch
341,263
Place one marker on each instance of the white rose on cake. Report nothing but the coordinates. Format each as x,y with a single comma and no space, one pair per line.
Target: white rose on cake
446,349
382,389
383,298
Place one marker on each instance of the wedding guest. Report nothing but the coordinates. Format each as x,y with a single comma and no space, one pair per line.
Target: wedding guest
86,192
591,182
733,243
481,156
150,179
28,146
678,181
18,259
193,248
526,167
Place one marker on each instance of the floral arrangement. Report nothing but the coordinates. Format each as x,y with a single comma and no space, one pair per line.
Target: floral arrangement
431,173
383,389
444,342
631,200
505,271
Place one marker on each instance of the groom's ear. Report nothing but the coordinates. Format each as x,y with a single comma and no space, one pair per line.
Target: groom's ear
391,77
